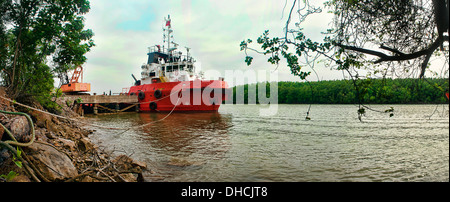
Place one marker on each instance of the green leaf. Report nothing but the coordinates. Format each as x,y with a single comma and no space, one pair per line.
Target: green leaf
18,163
361,111
11,175
19,152
248,60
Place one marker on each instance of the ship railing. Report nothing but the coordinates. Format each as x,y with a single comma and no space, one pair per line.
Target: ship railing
174,57
158,49
180,58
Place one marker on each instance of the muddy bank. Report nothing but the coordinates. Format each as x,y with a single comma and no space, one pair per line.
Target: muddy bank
60,151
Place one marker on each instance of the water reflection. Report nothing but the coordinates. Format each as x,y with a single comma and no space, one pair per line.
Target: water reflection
236,144
181,142
187,133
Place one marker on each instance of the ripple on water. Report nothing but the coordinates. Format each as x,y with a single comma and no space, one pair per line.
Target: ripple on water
237,144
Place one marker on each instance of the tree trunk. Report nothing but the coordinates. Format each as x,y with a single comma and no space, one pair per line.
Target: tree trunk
441,15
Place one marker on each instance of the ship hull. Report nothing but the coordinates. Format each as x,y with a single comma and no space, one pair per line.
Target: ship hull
189,96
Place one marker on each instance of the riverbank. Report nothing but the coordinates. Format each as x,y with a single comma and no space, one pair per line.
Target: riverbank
61,150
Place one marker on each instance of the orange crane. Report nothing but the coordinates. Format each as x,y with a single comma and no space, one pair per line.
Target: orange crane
73,86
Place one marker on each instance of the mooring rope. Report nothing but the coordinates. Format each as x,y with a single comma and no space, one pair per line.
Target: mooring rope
30,169
154,100
9,143
14,141
152,122
159,98
55,115
96,125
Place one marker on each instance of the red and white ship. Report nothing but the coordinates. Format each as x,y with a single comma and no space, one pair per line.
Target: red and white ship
169,81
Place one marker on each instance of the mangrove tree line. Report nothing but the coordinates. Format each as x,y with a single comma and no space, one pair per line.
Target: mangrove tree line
374,91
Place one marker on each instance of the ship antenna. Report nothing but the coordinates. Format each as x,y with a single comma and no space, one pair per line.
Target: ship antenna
169,32
187,50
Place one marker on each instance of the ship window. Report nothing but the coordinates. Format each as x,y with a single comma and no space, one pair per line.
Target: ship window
190,68
152,74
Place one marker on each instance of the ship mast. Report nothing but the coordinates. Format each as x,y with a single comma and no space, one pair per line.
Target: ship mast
168,29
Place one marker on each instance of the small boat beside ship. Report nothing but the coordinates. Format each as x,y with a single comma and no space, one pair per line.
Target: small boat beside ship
169,81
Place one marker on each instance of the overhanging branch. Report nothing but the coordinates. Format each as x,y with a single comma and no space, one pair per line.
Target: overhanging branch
392,50
399,55
414,55
363,50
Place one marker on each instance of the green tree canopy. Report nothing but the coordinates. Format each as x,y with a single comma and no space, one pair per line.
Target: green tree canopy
39,39
378,91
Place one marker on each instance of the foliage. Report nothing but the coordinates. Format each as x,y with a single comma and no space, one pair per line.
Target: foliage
39,39
42,92
376,91
411,31
11,175
19,155
68,103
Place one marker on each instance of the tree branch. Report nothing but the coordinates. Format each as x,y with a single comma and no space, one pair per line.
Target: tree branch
391,49
425,64
414,55
288,21
362,50
400,56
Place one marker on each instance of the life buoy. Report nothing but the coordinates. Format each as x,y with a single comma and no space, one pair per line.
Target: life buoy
141,95
158,94
153,105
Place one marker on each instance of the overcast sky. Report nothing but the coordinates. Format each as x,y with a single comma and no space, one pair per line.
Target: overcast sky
124,30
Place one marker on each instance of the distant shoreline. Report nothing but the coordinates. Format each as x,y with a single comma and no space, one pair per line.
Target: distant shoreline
371,91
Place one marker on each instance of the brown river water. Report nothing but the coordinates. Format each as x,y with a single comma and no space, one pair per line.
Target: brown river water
237,144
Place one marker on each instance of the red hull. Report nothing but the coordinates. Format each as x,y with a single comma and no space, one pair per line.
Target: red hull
181,96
